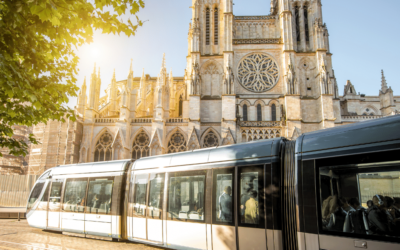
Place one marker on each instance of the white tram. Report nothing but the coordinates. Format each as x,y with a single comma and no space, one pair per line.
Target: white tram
337,188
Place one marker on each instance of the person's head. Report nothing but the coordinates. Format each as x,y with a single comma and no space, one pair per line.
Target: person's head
354,202
228,190
378,200
389,201
253,194
370,203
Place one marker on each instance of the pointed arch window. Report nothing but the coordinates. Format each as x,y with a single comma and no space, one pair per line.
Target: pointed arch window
210,140
273,112
297,22
245,112
103,148
208,26
216,26
140,146
180,106
306,29
259,113
177,143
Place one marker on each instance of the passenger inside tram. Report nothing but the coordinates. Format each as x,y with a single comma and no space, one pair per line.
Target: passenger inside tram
225,205
251,209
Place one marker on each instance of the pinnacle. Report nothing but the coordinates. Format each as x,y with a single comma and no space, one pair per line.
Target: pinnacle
384,83
94,69
114,75
163,62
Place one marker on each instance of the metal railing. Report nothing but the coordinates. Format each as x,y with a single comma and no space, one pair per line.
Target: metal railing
15,189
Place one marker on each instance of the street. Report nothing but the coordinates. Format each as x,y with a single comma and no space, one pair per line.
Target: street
19,235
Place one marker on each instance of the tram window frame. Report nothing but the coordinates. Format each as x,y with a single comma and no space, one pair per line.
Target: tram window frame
260,192
134,213
65,193
161,197
50,206
194,173
214,209
370,167
87,208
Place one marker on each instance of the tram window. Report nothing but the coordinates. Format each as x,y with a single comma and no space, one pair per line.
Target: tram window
186,196
139,199
55,195
156,194
250,196
223,196
75,195
35,194
363,201
99,195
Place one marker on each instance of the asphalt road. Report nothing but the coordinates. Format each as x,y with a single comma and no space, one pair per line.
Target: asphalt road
18,235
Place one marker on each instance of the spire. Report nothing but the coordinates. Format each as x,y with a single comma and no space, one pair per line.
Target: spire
130,68
114,75
98,73
384,84
94,69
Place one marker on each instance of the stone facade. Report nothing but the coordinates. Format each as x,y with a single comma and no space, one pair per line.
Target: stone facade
246,78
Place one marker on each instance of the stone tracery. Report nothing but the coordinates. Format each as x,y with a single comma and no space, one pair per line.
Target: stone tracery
177,143
210,140
103,148
258,72
140,146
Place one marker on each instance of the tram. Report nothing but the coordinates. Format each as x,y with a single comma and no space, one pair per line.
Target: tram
336,188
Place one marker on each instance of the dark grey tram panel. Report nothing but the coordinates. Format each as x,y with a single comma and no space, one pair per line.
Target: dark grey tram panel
379,130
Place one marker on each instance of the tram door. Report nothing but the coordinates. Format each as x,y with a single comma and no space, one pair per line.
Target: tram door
54,204
250,207
147,207
223,224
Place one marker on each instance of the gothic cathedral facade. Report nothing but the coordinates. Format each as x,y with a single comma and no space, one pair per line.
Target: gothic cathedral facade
247,78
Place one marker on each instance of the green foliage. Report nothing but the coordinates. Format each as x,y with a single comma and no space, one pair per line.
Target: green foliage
37,60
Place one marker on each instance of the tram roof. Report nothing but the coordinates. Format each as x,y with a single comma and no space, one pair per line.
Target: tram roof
373,131
91,167
241,151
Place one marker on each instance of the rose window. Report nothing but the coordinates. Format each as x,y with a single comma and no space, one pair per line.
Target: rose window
258,73
211,140
177,143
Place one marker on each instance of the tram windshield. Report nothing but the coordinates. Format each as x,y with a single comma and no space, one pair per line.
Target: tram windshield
362,201
35,194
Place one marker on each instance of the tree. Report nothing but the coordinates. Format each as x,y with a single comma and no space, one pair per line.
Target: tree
38,64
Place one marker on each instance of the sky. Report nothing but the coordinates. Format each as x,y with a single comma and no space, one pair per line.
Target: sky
363,37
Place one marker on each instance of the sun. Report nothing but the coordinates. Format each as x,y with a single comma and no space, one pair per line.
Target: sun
95,51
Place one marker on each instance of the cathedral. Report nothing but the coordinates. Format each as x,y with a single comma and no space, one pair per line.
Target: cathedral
246,78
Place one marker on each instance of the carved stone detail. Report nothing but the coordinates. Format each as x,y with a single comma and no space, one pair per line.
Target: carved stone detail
257,41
